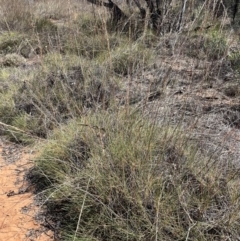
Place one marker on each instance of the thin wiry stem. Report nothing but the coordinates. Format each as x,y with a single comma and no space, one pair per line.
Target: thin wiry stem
81,211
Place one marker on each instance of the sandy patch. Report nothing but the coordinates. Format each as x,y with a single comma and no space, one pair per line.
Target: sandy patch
17,209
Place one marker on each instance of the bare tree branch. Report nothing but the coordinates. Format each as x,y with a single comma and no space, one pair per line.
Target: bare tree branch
182,14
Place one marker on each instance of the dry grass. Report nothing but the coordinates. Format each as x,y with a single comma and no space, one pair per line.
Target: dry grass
138,133
125,175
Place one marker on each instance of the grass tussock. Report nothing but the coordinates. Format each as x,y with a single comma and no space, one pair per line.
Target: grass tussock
215,45
13,60
117,177
10,42
7,110
128,58
62,89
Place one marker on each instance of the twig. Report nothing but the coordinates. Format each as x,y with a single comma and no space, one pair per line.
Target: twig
189,229
17,130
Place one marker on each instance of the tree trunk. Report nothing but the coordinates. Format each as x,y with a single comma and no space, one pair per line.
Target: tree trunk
235,9
116,13
155,13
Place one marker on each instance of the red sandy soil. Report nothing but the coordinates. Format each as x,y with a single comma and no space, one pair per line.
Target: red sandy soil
17,208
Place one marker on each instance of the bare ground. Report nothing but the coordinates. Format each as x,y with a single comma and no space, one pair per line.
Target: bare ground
17,205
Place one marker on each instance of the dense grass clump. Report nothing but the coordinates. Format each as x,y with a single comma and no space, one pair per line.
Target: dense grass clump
117,177
215,45
62,88
10,42
129,58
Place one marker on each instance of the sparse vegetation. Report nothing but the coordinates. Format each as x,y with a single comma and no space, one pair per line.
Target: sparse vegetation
134,111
